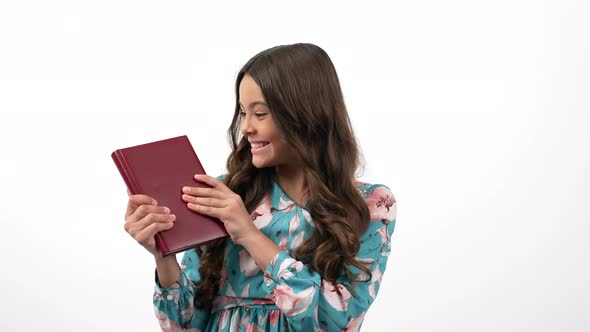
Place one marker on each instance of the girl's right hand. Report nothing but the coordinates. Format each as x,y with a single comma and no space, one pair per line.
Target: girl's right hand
144,218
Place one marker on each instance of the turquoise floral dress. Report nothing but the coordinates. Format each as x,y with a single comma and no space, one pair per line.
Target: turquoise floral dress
287,295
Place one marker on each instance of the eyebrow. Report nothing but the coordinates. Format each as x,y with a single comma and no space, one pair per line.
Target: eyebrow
254,103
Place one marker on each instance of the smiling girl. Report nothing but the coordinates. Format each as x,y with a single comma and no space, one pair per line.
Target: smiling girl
308,243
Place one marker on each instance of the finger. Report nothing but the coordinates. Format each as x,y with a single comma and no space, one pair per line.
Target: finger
141,223
205,201
149,232
153,218
213,182
142,199
144,209
128,192
207,210
204,192
136,200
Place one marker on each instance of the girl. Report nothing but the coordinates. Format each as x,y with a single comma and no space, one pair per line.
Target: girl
308,244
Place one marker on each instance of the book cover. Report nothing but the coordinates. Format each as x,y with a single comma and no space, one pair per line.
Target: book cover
159,170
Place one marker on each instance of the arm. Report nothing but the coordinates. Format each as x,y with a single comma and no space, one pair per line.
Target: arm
174,305
311,304
168,270
176,291
261,248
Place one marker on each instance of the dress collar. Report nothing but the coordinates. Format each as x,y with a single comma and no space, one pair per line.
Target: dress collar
279,200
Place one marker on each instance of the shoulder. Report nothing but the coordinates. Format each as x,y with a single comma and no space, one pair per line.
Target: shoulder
382,206
380,200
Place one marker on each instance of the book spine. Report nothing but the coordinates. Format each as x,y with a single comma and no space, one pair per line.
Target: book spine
133,186
125,172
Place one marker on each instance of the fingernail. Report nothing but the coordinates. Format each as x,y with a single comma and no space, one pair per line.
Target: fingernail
154,202
185,189
166,210
172,217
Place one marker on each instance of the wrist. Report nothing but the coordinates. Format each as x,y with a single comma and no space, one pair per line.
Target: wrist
261,248
251,237
163,259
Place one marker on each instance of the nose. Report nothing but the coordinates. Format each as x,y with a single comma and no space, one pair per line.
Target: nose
246,126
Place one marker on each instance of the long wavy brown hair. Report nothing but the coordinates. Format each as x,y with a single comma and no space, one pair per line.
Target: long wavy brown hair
302,90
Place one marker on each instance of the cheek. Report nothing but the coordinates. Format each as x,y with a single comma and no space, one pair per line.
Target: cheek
280,149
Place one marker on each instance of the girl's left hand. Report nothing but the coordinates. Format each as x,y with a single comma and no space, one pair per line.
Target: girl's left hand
222,203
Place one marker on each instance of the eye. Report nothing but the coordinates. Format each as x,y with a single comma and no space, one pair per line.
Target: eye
257,114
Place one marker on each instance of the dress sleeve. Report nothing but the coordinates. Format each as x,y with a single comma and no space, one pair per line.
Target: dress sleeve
310,303
174,306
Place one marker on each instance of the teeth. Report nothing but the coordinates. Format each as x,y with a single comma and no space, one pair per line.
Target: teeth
258,145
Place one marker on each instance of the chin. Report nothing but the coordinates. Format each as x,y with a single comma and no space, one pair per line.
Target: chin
262,164
258,164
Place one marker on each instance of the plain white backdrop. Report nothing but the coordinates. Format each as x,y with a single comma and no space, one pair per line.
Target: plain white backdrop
475,113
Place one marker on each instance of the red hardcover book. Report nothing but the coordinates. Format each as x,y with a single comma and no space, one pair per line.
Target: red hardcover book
160,169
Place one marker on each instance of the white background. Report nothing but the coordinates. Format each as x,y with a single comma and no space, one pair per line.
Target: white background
475,114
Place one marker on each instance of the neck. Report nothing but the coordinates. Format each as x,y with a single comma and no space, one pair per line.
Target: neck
292,180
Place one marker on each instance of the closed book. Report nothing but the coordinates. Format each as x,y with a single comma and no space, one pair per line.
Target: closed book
159,170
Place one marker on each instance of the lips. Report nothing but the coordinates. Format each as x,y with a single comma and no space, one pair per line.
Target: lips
259,144
259,147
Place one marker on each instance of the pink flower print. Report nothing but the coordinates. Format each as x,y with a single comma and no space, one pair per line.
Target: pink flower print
292,303
244,320
285,204
248,264
382,231
297,266
172,294
246,291
223,319
362,276
188,312
365,261
377,275
336,295
261,216
274,317
293,224
283,244
355,324
297,240
230,291
168,325
252,327
262,320
287,265
234,324
382,204
307,217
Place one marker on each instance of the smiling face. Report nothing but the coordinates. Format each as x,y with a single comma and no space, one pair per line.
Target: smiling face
256,124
